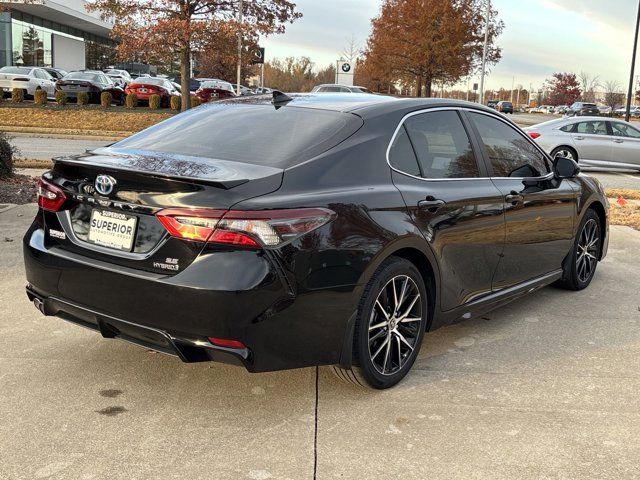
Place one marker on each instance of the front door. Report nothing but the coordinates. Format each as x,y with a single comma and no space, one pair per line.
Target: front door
457,208
626,143
539,209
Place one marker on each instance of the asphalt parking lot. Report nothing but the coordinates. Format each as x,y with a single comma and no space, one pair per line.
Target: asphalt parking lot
543,388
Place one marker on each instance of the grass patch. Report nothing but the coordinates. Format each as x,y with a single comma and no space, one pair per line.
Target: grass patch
86,118
628,215
625,193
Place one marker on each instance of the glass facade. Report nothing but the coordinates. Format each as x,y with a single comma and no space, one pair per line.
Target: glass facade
28,40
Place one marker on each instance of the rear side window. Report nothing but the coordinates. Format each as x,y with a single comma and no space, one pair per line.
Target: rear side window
592,128
511,154
256,134
401,156
442,145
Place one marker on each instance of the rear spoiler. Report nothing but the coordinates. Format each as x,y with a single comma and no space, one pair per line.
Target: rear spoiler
218,183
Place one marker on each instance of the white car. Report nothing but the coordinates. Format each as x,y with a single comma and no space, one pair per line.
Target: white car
28,79
590,141
634,111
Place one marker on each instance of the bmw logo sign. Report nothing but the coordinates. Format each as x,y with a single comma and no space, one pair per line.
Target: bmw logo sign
105,184
346,67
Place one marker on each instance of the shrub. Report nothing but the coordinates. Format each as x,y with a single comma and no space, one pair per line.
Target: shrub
83,98
17,95
105,99
154,102
40,97
176,103
195,102
131,101
7,151
61,97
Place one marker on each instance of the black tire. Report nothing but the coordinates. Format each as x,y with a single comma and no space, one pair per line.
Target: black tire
399,321
571,153
579,267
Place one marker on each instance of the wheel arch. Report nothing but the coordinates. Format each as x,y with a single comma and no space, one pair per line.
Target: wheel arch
598,207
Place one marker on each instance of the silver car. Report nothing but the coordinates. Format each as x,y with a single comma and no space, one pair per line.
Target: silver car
28,79
591,141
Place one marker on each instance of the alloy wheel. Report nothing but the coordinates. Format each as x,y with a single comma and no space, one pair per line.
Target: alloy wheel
587,254
564,152
394,325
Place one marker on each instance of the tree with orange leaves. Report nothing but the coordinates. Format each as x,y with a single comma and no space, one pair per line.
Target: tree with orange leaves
157,28
427,41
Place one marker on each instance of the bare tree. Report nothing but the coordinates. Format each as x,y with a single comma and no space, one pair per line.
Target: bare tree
588,86
613,96
352,50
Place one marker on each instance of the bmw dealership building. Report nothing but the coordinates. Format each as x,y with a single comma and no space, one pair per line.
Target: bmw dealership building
54,33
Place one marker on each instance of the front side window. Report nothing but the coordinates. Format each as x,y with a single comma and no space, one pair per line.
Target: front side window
442,145
624,130
510,153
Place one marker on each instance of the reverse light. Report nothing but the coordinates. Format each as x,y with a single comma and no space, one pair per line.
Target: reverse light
533,135
253,229
226,343
50,197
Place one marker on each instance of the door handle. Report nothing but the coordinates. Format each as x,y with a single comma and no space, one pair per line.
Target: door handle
430,204
514,198
579,138
618,140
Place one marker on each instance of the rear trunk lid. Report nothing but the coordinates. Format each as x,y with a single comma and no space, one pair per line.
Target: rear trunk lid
119,190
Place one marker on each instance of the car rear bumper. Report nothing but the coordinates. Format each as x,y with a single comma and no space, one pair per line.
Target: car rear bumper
222,295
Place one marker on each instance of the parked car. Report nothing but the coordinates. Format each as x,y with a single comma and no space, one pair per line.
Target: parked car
194,84
605,109
492,104
505,107
56,73
263,91
29,79
560,109
243,90
634,111
119,77
91,82
582,109
335,88
144,87
590,141
214,90
318,237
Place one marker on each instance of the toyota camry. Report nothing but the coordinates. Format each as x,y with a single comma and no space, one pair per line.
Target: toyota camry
337,230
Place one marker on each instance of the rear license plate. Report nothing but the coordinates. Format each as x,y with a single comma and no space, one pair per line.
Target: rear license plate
112,229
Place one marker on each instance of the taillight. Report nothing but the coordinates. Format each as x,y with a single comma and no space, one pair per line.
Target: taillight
226,343
533,135
253,229
50,197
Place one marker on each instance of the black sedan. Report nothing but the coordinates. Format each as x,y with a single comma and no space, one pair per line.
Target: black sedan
93,83
336,233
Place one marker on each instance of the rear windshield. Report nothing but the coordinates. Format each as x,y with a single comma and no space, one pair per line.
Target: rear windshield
19,70
150,80
81,76
256,134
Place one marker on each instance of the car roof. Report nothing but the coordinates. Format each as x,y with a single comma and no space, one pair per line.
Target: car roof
364,104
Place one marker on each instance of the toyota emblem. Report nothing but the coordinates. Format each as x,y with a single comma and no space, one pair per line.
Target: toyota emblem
105,184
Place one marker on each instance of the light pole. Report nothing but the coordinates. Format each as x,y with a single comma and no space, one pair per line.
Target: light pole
239,67
633,66
484,51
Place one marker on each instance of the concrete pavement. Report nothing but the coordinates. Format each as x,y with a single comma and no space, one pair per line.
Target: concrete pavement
543,388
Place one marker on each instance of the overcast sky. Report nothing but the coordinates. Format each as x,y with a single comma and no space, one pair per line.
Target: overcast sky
540,37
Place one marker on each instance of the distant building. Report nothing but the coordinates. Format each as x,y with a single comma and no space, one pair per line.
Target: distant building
60,33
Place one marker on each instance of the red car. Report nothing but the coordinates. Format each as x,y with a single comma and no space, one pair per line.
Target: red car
144,87
214,90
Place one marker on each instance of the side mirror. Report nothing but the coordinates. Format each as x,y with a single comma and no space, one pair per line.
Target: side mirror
565,167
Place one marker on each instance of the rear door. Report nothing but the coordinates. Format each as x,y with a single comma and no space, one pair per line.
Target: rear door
626,143
457,208
539,210
592,140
